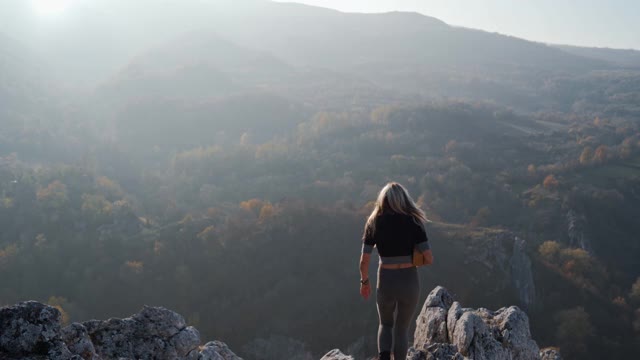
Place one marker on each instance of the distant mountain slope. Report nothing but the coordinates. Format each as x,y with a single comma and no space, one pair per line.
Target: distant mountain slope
33,124
22,81
321,37
621,57
195,65
298,34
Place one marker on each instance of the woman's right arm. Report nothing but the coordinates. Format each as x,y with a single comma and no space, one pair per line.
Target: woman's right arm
368,243
365,288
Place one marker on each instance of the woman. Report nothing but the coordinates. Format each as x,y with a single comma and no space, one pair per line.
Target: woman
395,227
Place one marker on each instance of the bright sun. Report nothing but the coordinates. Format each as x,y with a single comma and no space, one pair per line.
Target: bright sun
50,8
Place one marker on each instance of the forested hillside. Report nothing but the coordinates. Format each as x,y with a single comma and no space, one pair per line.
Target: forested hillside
225,169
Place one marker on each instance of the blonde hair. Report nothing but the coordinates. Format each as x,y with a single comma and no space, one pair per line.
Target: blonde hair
395,198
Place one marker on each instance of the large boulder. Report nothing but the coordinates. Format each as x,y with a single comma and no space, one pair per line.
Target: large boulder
512,325
31,330
446,330
432,320
78,341
154,332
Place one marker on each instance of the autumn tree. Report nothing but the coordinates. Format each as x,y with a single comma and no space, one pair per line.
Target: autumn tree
253,205
550,182
601,154
634,294
95,207
54,195
531,170
587,156
550,251
266,212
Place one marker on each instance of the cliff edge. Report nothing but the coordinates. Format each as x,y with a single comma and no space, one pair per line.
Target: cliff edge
444,330
31,330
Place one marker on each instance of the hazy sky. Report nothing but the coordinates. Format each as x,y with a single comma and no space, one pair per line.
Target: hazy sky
603,23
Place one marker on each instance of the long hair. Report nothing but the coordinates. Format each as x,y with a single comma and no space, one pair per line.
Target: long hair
394,198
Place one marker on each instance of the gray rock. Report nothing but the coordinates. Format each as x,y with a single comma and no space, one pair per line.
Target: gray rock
474,339
415,354
462,333
550,354
155,332
439,297
31,330
454,313
576,225
521,274
336,354
431,327
185,341
436,352
432,321
513,327
77,339
217,350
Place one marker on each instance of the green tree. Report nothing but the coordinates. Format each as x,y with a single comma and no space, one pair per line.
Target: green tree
573,332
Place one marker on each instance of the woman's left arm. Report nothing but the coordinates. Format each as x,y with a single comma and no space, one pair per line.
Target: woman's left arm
428,257
422,242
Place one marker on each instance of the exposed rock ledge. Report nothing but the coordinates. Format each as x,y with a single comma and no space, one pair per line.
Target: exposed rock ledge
30,330
447,331
444,330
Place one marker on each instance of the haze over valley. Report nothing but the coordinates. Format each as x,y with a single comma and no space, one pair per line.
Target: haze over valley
220,158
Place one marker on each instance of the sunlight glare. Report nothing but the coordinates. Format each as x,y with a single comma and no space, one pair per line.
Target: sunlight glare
50,8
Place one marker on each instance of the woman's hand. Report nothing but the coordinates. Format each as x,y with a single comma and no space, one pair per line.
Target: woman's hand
365,289
365,284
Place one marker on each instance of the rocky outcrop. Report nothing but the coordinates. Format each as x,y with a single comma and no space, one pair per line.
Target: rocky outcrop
31,330
471,333
432,321
507,266
447,331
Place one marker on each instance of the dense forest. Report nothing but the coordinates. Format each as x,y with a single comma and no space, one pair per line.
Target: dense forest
223,166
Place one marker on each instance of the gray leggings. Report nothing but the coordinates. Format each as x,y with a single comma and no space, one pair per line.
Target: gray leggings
398,291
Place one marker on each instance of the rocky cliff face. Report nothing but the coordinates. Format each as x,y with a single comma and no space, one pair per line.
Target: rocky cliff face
521,273
31,330
444,330
576,225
